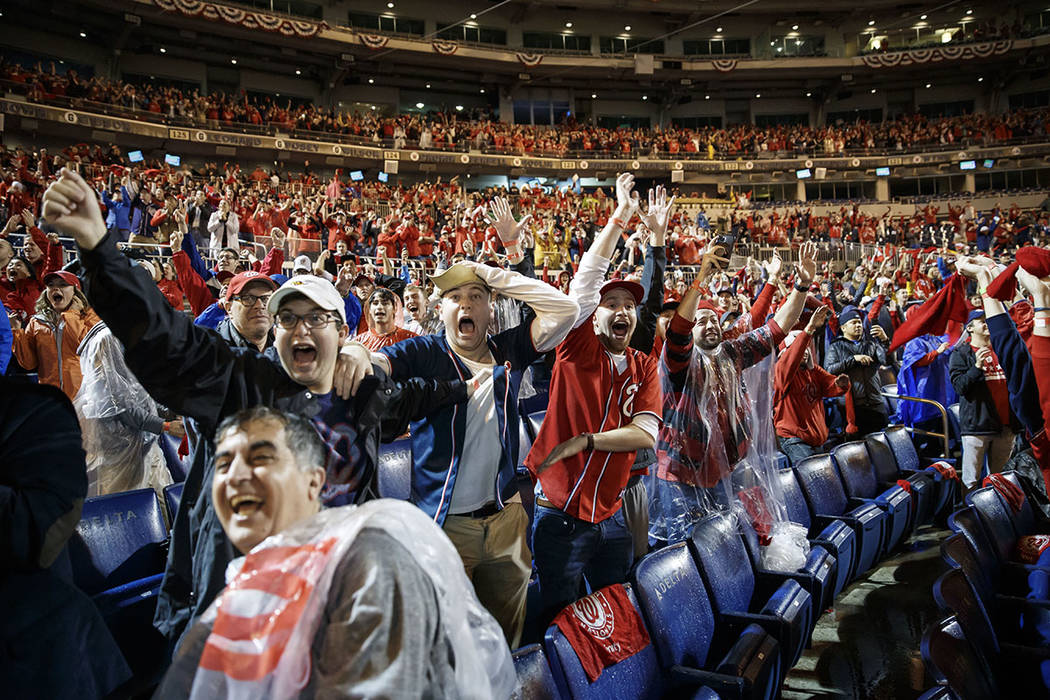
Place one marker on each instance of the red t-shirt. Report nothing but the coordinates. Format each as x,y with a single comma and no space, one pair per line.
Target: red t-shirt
995,378
589,395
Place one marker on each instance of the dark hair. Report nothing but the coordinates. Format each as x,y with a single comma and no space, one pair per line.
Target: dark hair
29,265
299,433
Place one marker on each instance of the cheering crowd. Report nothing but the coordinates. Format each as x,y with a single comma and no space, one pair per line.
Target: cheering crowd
283,381
461,130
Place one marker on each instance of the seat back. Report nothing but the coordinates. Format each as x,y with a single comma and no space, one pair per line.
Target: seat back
169,447
958,553
966,522
883,463
1024,519
723,562
172,496
951,659
783,461
821,485
637,676
887,375
675,605
903,448
797,510
524,441
534,675
120,538
995,516
395,469
954,593
536,422
855,468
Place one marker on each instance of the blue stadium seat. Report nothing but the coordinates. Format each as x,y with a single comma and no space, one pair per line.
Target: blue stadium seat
118,554
837,537
783,462
535,421
534,675
691,648
951,659
887,474
908,461
828,502
940,692
169,446
637,676
858,478
172,496
1026,521
995,518
395,469
817,575
738,597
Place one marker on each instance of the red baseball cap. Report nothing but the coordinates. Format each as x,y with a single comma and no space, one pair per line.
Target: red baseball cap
245,278
67,277
636,290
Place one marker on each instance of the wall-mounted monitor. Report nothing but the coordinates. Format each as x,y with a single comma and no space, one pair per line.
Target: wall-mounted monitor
803,174
882,172
172,160
135,156
967,165
357,175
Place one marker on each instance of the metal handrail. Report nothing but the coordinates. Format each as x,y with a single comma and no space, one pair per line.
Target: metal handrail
944,419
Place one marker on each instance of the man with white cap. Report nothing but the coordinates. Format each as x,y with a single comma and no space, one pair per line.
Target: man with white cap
605,405
198,375
466,456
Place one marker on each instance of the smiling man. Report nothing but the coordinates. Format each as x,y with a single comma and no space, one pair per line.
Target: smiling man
466,456
195,373
248,322
604,406
340,583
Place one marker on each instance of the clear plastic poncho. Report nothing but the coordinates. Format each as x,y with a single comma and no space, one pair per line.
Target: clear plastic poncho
114,411
717,451
297,567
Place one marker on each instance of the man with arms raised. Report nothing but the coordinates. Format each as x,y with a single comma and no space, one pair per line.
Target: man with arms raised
196,374
466,456
605,405
363,601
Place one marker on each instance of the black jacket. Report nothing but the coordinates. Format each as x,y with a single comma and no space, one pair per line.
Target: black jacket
864,379
197,374
977,412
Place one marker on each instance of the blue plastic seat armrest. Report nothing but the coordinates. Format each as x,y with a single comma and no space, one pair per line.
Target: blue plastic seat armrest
725,686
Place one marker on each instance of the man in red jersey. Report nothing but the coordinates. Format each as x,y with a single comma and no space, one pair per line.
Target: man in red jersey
604,406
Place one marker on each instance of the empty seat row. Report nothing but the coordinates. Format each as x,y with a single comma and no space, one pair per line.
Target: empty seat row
995,641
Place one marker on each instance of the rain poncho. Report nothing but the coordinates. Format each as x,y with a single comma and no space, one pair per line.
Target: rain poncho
316,633
932,381
119,420
716,449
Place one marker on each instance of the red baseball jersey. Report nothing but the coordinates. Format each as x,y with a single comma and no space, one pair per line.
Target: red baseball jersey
589,395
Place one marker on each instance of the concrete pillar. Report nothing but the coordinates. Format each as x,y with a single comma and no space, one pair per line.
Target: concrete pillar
800,190
969,183
882,189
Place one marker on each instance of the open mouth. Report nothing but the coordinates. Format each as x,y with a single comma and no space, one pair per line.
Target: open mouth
245,505
466,326
303,353
412,308
620,329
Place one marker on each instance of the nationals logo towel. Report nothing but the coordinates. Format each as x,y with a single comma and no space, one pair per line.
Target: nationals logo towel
604,628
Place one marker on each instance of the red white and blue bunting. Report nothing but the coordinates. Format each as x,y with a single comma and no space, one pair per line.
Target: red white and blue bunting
249,19
374,41
530,59
445,48
937,54
724,65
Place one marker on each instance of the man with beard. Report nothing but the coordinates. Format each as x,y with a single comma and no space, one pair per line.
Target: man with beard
706,411
604,406
382,321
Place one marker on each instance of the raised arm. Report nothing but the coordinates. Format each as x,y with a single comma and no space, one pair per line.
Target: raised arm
656,218
788,313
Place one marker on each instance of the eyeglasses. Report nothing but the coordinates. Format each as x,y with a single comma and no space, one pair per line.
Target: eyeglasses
250,299
313,320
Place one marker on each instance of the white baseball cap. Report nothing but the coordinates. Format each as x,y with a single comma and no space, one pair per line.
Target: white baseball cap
302,263
319,291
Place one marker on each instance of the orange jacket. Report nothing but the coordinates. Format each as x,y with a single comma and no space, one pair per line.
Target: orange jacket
52,351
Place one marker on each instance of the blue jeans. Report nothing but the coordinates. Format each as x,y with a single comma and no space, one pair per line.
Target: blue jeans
566,549
796,449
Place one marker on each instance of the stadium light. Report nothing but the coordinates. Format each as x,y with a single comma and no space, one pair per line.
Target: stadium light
568,25
419,105
163,50
627,28
233,61
83,35
459,108
371,81
298,72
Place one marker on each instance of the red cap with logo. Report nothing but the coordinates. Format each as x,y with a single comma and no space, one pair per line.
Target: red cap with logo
245,278
67,277
633,288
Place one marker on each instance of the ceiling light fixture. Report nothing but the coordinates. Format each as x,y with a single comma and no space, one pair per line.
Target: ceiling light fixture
390,5
929,85
233,61
419,105
922,16
757,95
594,96
473,16
627,28
371,81
980,80
969,12
645,97
794,27
428,86
568,25
707,97
459,108
871,23
873,91
482,91
163,50
298,72
83,35
809,94
718,29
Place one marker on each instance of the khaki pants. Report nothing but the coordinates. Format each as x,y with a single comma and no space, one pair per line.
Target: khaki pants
636,512
498,562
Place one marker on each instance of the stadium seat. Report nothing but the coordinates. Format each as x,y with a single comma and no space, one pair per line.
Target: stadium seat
534,675
995,517
677,610
535,421
783,461
118,554
395,469
837,537
908,460
637,676
739,597
939,692
887,474
817,575
828,502
169,446
858,478
1027,520
951,659
172,496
